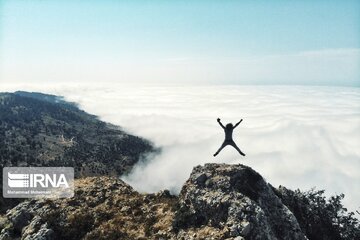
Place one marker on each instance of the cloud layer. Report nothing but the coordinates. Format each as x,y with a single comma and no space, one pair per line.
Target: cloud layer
300,137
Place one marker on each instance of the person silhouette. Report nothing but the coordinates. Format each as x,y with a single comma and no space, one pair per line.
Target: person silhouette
228,129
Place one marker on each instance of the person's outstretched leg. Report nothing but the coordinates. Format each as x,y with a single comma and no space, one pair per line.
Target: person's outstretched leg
222,146
237,148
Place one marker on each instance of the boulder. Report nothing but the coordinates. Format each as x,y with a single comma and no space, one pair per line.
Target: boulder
236,200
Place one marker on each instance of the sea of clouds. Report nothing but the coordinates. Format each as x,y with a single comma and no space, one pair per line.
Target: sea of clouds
296,136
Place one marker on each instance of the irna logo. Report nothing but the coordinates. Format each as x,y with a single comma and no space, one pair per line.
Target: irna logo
27,182
18,180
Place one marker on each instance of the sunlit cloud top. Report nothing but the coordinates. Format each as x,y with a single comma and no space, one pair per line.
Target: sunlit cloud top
232,42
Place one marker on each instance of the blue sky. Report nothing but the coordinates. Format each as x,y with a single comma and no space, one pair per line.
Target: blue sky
230,42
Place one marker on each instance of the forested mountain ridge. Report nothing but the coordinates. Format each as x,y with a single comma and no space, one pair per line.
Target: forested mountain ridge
37,132
43,130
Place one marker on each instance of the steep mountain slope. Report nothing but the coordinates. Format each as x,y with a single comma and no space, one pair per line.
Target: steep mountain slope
45,133
43,130
218,201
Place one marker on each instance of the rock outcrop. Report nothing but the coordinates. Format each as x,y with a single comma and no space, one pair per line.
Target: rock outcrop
237,201
102,208
217,202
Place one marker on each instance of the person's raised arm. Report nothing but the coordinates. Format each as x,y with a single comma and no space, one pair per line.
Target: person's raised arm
238,123
220,123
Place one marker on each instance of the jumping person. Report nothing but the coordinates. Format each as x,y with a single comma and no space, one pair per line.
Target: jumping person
228,137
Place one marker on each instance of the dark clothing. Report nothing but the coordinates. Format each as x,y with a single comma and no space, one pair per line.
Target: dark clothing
228,137
228,133
231,143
